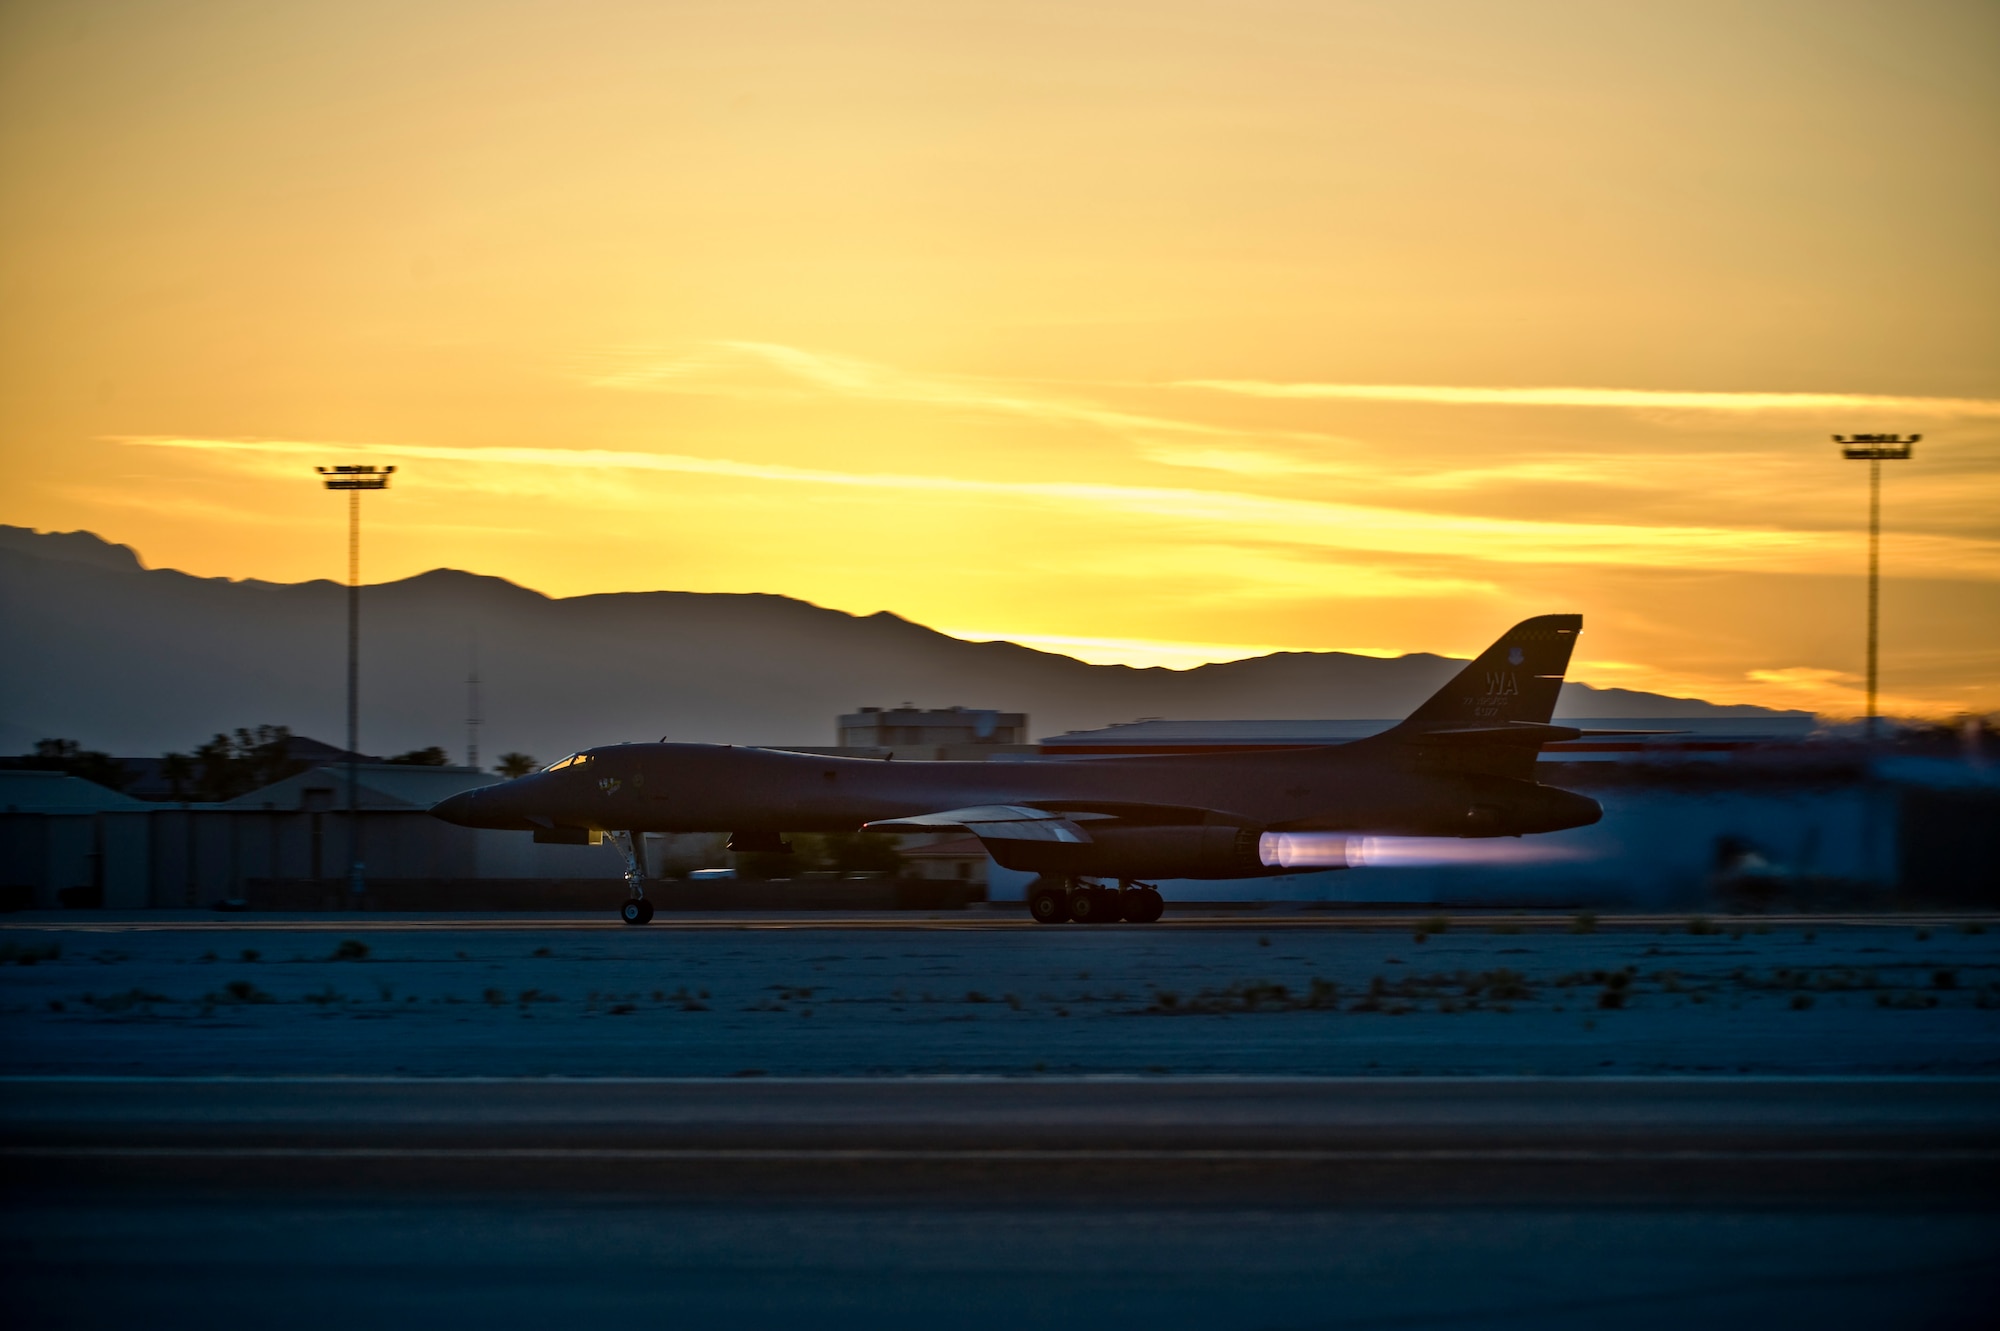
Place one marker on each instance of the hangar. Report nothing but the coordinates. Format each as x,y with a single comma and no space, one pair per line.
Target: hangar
1762,810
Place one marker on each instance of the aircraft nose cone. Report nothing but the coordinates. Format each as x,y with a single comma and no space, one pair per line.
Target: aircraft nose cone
456,808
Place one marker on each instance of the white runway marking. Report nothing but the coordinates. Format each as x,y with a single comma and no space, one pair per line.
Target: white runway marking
1026,1155
668,923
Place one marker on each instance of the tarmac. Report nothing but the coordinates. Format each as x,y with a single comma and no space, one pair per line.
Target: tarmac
1202,917
750,1122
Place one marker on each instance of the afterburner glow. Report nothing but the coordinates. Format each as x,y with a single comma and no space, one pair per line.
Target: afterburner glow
1320,850
1391,852
1337,850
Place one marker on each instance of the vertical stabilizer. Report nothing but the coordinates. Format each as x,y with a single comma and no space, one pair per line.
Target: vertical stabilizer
1516,679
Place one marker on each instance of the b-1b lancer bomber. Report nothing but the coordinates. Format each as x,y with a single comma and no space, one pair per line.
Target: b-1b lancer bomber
1462,765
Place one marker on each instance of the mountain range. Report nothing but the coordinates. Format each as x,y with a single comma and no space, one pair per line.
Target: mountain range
132,660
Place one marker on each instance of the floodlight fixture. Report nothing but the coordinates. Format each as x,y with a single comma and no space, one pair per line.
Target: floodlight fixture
1875,449
354,479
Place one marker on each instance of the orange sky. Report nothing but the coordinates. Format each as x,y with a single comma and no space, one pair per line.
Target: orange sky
1158,332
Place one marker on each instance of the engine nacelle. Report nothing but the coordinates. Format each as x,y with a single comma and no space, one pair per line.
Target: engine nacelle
1309,850
1141,852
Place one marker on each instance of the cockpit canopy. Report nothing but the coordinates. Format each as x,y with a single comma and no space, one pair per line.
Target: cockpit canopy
574,760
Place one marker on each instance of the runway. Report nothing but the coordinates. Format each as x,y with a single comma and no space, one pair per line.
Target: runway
746,1122
907,1203
1000,916
1257,1139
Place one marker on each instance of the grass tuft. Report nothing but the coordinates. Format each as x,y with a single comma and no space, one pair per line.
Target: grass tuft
126,1001
1583,922
350,949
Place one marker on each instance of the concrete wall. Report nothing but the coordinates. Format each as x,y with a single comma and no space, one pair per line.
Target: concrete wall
181,858
42,855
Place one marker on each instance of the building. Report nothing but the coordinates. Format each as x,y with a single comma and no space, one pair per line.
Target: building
910,728
1760,810
1724,811
69,842
957,859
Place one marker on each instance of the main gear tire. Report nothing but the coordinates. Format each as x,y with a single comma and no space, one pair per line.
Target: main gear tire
636,911
1093,905
1049,905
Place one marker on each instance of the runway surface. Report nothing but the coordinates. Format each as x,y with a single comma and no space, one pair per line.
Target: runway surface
994,916
1064,1203
751,1122
1263,1139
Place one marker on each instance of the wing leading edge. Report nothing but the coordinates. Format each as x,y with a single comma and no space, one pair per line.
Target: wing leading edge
999,822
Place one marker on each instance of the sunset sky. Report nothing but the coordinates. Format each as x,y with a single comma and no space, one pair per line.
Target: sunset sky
1157,332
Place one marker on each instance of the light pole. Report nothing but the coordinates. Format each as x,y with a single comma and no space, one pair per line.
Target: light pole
1874,449
354,480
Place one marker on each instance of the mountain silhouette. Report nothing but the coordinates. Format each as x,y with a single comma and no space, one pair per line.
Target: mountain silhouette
137,661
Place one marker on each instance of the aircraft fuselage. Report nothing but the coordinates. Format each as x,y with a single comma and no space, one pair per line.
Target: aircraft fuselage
716,788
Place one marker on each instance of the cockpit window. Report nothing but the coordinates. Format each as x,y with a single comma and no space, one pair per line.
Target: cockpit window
574,760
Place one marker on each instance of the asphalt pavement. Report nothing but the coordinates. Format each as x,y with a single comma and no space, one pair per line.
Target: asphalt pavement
471,1123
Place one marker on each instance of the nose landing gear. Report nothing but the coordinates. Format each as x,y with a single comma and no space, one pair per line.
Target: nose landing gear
1052,901
632,845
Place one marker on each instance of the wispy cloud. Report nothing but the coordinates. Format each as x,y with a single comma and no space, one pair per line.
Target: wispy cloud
1641,399
1228,515
1632,471
772,370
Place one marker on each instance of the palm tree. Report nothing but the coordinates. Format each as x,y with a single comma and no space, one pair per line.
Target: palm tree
512,765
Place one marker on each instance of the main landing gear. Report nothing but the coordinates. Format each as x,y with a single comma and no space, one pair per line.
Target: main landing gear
1054,900
632,845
